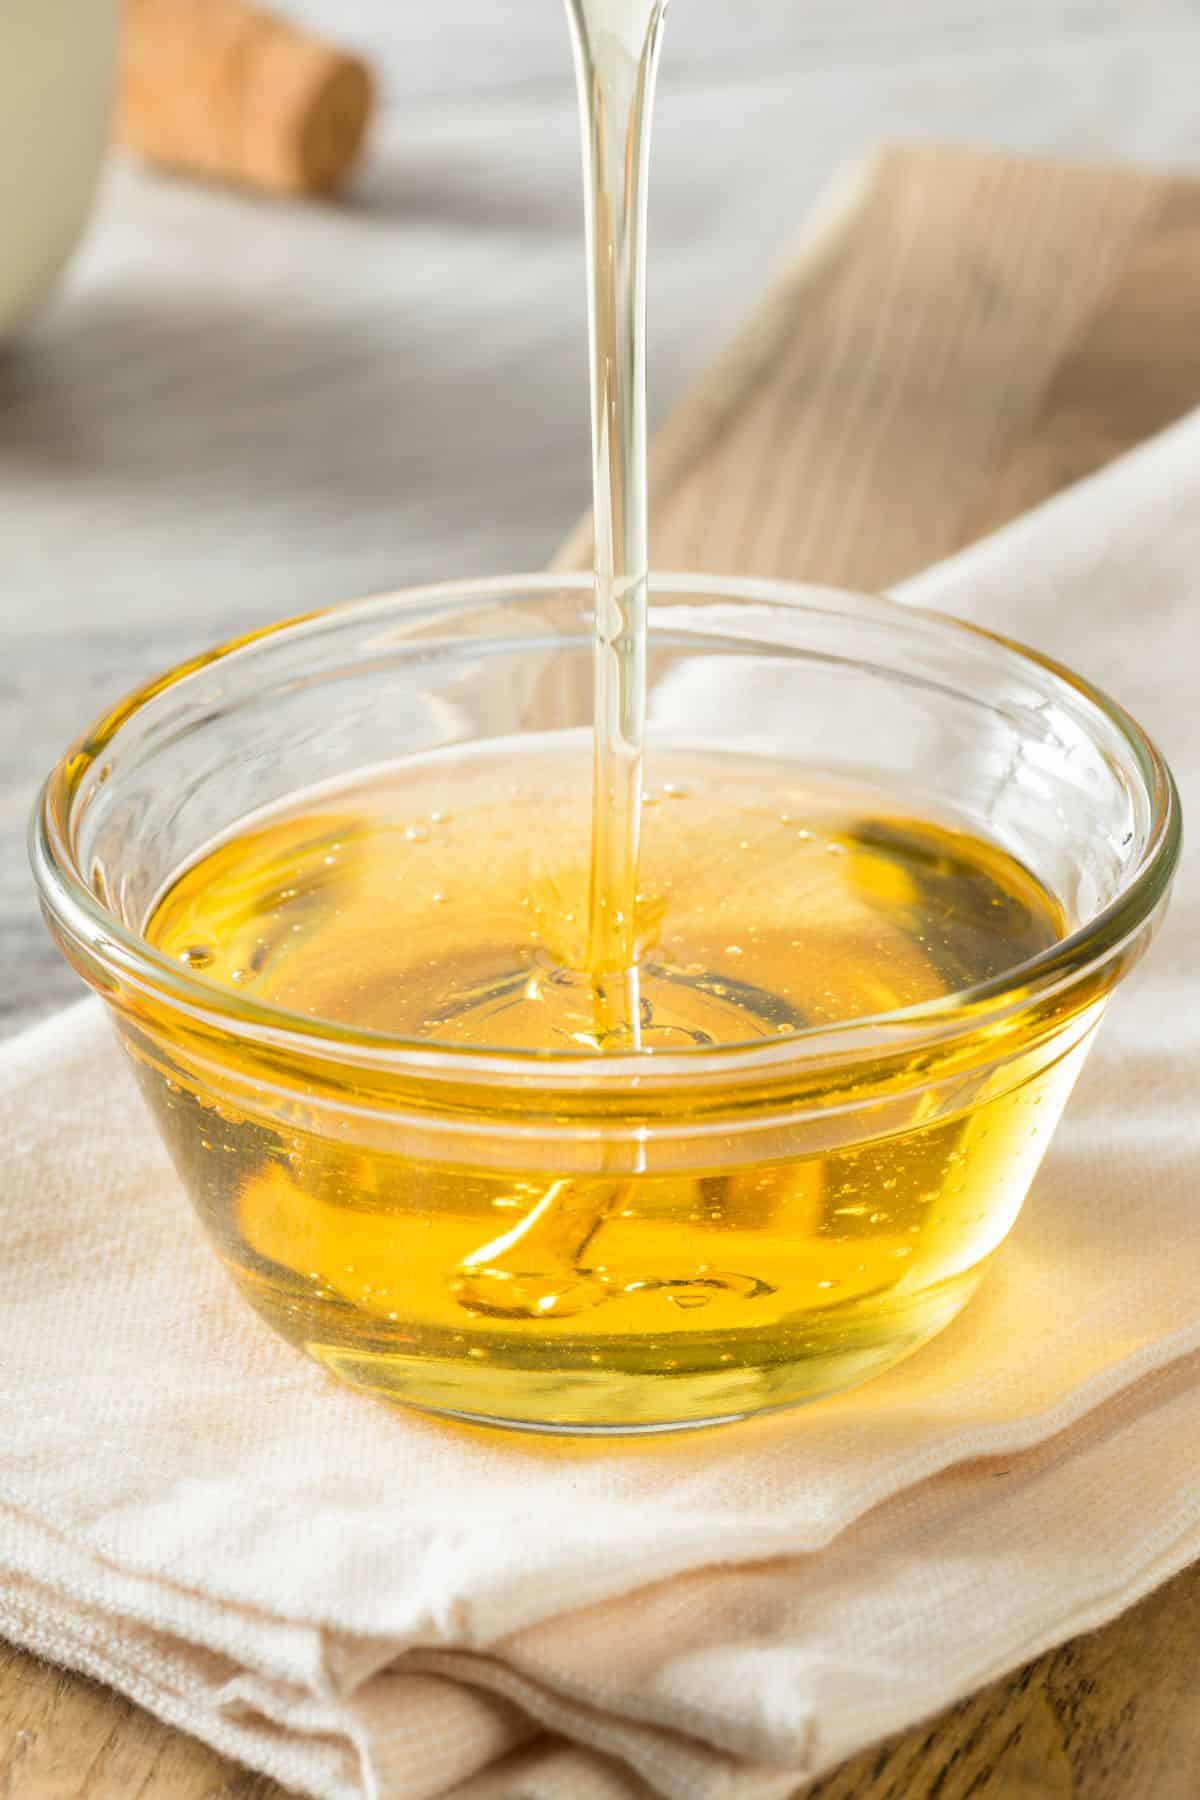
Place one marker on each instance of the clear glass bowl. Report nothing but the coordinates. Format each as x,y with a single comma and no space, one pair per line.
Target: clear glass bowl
362,1150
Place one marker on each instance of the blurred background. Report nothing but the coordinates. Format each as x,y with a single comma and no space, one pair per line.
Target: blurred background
235,407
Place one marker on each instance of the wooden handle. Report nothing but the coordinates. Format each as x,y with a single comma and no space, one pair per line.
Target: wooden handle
230,91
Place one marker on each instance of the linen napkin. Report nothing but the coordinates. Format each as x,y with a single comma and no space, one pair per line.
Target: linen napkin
368,1603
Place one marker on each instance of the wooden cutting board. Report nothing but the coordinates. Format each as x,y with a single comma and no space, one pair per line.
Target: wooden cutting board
958,336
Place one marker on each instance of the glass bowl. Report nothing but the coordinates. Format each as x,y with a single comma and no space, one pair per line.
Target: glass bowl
335,1169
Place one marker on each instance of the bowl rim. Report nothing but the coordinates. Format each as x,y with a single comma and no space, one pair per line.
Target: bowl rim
74,910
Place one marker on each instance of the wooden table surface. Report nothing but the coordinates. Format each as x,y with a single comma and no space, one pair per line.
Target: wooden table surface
960,336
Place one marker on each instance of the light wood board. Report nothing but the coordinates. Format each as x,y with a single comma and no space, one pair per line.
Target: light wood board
959,336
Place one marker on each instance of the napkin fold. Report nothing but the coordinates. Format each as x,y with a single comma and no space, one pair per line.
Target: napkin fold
366,1603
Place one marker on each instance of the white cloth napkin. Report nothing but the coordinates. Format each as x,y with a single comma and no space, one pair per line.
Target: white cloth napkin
367,1603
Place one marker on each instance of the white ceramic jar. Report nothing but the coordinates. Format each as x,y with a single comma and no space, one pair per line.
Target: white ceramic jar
57,60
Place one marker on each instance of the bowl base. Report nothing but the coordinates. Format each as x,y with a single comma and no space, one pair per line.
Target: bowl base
620,1402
